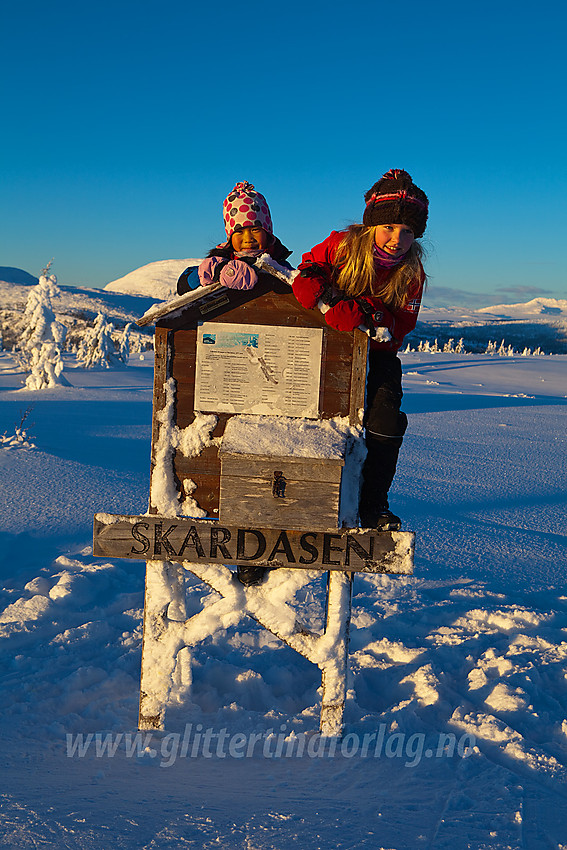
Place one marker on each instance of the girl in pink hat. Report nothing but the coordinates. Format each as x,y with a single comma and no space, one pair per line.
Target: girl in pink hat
249,232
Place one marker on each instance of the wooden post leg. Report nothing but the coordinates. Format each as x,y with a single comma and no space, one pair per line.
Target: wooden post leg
164,604
334,677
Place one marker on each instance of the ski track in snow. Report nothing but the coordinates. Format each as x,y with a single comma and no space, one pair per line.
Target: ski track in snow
474,643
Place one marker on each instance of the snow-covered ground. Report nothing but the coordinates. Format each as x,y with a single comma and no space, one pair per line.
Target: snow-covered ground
473,645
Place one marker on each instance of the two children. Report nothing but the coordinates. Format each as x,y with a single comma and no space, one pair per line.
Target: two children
370,275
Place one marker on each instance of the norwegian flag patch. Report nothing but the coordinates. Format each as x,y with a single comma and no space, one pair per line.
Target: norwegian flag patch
413,305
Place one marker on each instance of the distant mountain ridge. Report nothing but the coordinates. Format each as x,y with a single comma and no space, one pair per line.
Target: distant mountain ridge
540,322
9,274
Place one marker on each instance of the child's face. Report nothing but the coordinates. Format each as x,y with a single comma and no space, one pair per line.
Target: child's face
250,239
395,239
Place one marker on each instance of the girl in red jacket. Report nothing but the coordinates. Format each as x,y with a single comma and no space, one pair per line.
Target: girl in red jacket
371,275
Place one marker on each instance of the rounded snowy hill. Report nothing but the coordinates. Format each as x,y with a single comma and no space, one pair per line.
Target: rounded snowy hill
157,280
537,307
9,274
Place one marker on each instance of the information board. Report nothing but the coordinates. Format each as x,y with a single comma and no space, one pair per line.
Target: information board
259,369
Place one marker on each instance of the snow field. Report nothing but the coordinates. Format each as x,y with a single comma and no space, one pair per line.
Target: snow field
473,644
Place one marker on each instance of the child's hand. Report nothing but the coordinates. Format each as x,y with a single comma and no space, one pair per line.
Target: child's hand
345,316
238,275
233,274
307,290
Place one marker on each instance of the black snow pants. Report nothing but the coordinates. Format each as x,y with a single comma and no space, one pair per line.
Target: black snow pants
385,426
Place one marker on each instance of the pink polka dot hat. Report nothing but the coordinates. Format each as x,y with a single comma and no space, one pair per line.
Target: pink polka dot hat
245,207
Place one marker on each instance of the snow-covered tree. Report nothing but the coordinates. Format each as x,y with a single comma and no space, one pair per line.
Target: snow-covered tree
42,337
505,350
40,324
98,348
46,367
124,347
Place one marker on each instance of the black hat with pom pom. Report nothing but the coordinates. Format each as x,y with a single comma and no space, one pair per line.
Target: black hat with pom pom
395,199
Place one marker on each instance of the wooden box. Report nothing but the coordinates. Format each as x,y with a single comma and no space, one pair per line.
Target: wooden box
279,492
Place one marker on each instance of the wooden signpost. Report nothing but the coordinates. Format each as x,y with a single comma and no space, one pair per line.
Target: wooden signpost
209,542
242,383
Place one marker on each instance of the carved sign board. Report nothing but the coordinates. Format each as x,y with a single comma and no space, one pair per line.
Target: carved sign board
259,369
152,537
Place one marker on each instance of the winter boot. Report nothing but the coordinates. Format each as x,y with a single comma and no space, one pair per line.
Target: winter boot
251,575
385,520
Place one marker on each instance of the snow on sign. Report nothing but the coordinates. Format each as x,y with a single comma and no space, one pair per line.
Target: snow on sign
258,369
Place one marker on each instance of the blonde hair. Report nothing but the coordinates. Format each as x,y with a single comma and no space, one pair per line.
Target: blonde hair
355,272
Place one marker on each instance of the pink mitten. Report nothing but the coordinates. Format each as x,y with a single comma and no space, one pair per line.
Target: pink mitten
235,274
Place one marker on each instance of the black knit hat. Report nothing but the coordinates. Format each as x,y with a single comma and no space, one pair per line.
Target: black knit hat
395,199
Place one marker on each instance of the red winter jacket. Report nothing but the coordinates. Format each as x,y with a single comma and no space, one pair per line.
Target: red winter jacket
348,314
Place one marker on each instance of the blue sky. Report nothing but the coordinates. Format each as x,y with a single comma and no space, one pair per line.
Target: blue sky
124,126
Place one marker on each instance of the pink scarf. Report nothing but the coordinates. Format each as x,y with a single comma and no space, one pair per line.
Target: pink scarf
382,258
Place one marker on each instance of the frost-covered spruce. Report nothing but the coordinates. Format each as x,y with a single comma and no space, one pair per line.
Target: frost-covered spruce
46,368
97,348
124,348
39,322
42,337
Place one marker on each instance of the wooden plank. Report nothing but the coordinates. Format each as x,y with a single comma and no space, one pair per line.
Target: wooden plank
358,375
161,374
185,340
293,468
184,370
207,462
227,302
206,494
204,470
335,403
250,501
275,305
334,672
183,539
158,310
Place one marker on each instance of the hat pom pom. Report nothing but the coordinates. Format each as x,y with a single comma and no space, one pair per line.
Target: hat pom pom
243,186
395,174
